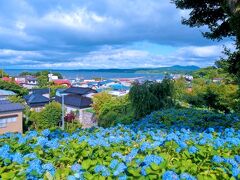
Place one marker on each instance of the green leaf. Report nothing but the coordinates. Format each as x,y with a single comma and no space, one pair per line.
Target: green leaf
8,175
134,172
154,167
85,153
86,164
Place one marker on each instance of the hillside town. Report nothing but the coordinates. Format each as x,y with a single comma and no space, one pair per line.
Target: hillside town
75,95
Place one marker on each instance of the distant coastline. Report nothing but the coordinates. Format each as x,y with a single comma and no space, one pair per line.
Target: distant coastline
149,73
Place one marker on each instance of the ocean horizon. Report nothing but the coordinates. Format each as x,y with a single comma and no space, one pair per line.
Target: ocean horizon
89,74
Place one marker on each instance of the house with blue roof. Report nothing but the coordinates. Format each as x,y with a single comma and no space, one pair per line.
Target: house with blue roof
36,101
76,99
119,87
4,94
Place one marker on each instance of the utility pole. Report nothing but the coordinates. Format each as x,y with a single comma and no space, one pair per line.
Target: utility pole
63,112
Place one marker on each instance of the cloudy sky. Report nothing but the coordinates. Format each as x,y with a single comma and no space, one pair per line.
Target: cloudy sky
76,34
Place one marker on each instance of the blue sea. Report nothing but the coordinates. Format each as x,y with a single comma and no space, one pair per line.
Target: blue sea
72,74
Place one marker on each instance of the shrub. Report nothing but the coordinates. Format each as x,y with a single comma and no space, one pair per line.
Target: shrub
16,99
151,96
111,110
49,117
219,97
145,149
12,86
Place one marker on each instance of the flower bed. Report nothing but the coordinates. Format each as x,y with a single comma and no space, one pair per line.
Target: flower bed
147,149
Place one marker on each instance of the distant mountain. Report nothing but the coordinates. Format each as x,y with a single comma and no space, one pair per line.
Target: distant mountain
159,70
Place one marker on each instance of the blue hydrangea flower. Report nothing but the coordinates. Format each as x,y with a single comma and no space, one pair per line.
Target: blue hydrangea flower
131,155
30,156
153,159
145,146
46,132
113,163
103,170
71,178
235,171
53,144
231,162
193,150
182,144
143,170
170,175
217,159
237,158
35,166
120,168
76,167
41,141
124,177
178,150
18,158
4,151
186,176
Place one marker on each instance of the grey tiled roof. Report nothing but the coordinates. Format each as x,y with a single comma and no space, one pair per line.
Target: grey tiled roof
7,106
79,90
35,100
40,91
76,101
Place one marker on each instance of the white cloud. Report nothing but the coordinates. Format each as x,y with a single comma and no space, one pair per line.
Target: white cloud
99,34
81,19
10,52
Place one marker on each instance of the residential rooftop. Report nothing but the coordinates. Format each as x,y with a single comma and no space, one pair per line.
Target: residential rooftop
7,106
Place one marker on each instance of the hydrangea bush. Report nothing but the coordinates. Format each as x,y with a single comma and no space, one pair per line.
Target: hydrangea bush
147,149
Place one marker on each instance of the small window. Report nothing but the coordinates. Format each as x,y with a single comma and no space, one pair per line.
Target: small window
11,119
3,123
5,120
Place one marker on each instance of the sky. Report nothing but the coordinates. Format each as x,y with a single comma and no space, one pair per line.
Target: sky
83,34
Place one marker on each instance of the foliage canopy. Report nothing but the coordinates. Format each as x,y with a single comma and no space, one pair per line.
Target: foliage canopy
151,96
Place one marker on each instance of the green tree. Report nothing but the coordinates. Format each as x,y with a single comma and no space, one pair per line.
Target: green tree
222,17
219,97
12,86
180,89
43,81
49,117
16,99
54,89
151,96
3,74
111,110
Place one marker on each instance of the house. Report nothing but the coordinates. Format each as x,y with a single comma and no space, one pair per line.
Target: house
75,103
7,79
52,77
11,115
76,99
119,87
79,91
20,80
36,101
106,83
60,91
27,81
43,91
63,82
31,80
4,94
